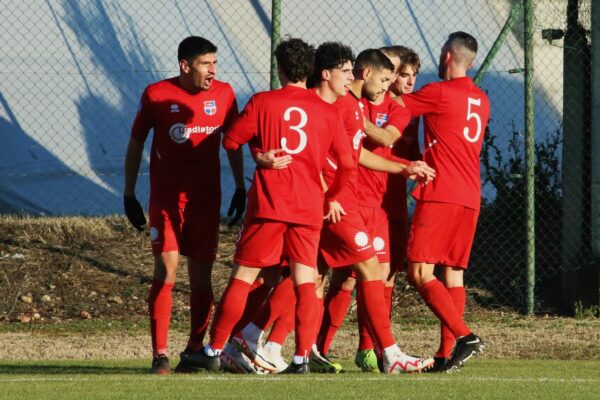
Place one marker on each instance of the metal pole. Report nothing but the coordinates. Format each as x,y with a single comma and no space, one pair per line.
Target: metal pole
596,137
529,155
275,33
514,15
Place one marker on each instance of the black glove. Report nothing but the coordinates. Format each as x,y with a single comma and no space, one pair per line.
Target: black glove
238,204
134,212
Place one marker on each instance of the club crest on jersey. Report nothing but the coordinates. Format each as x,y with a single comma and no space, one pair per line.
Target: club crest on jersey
210,107
381,119
174,108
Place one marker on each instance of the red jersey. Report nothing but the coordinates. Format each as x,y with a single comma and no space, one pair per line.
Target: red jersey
184,160
455,113
407,147
373,184
354,126
300,122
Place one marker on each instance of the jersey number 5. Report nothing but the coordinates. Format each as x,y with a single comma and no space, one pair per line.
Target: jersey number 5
472,114
297,128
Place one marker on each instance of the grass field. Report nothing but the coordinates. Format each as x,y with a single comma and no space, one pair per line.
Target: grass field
481,379
53,269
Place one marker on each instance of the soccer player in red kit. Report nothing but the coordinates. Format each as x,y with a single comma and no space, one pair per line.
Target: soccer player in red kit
407,147
388,127
455,113
348,242
285,206
187,114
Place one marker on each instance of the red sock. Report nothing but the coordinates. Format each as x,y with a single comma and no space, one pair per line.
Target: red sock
388,293
447,339
364,337
306,314
160,302
370,297
258,294
201,305
438,299
337,302
229,312
320,311
281,300
283,326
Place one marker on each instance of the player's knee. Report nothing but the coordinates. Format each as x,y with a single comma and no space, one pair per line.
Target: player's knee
415,277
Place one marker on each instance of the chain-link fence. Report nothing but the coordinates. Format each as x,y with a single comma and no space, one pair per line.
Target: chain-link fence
72,73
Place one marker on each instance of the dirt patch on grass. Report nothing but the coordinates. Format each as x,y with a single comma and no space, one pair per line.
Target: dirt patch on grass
58,272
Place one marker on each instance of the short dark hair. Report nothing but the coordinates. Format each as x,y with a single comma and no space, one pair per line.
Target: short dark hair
296,59
373,58
407,56
327,56
194,46
464,39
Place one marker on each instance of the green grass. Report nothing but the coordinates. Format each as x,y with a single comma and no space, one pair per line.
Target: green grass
480,379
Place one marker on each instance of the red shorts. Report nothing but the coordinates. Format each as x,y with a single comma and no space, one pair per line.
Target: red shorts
398,241
346,242
262,242
376,223
442,233
193,231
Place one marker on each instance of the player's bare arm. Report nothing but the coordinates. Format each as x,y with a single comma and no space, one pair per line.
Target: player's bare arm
416,170
382,136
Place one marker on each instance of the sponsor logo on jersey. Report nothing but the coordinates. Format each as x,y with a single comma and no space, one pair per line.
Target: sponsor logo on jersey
174,108
210,107
180,133
378,243
381,119
361,239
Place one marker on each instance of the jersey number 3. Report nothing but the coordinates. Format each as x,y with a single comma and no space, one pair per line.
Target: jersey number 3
472,114
297,128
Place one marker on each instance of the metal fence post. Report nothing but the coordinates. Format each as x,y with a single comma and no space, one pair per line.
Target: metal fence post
595,71
529,155
275,33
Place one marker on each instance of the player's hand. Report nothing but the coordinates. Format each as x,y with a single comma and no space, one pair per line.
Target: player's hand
419,171
134,212
334,212
270,160
237,205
